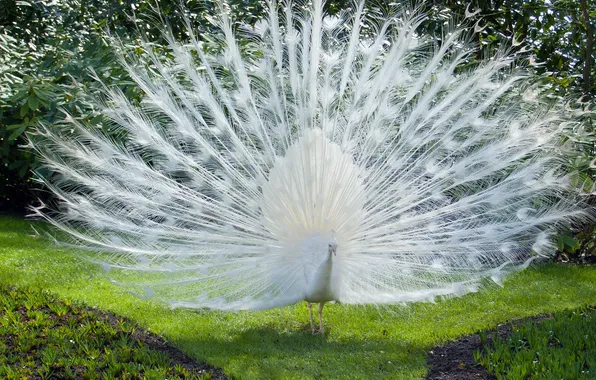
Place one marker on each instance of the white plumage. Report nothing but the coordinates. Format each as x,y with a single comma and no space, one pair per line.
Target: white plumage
320,162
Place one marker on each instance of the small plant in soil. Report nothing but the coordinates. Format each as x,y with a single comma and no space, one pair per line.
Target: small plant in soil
561,347
43,337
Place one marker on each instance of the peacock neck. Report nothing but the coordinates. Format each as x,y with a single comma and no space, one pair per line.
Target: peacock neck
318,275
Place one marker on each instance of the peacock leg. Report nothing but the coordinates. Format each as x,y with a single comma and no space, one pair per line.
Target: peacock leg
321,329
312,322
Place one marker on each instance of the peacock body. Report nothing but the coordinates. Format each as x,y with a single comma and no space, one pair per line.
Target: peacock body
333,164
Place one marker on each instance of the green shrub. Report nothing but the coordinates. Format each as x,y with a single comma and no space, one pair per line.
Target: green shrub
44,72
48,50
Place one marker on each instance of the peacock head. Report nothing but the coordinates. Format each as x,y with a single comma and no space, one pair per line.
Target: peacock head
318,248
333,245
333,248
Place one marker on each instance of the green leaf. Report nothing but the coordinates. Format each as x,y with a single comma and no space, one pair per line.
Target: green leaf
96,120
23,171
14,126
568,243
20,94
42,94
13,136
33,102
24,109
15,164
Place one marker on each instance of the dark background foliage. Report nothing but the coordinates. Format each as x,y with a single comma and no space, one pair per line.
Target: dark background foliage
48,48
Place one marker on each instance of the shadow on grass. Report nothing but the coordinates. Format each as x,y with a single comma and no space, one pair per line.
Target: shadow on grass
259,352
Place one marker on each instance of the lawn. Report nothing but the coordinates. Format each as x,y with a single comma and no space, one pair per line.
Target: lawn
361,342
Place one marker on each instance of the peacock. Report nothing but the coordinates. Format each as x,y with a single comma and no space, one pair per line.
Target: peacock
313,158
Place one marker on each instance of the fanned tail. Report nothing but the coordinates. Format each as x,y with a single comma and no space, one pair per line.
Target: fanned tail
429,178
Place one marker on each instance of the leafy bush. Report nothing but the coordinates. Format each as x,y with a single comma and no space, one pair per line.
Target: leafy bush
48,52
43,72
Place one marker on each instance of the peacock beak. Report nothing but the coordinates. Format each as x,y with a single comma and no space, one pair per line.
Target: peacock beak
333,249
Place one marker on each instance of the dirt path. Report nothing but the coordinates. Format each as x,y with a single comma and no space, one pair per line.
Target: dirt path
455,360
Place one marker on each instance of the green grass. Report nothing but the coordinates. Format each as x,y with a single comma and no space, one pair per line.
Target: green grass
44,337
361,342
562,347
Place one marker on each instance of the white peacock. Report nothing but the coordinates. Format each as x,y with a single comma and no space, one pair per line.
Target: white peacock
334,165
